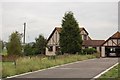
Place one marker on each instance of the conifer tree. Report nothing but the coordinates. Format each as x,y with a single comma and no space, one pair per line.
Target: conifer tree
70,38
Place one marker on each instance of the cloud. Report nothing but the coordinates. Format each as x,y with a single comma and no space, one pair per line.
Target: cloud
42,17
59,0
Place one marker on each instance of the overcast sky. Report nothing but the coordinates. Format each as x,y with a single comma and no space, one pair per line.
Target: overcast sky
100,19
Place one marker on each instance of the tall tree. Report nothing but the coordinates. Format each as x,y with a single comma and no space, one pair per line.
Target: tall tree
70,38
14,45
40,44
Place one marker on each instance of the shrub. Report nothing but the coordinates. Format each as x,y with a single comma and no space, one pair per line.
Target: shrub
89,50
29,50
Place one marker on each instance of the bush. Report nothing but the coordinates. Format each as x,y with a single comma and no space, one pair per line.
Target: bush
29,50
89,50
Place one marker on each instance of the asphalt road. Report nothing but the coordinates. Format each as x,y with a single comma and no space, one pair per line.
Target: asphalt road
82,69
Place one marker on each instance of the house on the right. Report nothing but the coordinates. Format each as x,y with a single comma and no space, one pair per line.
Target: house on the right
111,46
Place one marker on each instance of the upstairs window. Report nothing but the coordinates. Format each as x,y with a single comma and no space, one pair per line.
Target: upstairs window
85,37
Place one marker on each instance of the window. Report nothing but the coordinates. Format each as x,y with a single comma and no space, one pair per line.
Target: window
50,48
85,37
57,48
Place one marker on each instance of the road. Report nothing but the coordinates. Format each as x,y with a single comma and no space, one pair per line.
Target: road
82,69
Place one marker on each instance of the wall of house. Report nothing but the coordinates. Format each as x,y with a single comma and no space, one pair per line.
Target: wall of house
49,53
54,41
83,35
103,51
111,42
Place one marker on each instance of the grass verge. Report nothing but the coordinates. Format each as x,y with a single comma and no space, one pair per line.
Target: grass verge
29,64
112,74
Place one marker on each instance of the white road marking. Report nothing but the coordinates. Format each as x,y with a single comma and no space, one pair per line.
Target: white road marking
105,71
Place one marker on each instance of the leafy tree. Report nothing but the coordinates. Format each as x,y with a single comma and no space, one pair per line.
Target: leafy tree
70,38
14,45
1,45
40,45
29,49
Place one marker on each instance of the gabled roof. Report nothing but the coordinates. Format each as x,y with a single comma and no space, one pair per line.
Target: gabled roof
93,43
84,30
59,29
114,36
56,28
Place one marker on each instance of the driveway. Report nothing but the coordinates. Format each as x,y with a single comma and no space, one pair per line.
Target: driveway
82,69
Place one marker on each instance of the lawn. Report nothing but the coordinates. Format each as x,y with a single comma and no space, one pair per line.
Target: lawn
29,64
114,73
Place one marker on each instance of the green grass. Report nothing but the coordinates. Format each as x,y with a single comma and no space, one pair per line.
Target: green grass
113,73
0,69
27,64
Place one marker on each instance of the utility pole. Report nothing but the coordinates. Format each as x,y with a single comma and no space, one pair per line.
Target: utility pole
24,33
24,37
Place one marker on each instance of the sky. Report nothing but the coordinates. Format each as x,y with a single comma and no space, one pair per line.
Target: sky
100,19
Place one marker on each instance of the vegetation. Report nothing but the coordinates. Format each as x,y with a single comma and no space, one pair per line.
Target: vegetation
89,50
1,45
40,44
14,46
37,47
28,64
4,52
113,73
0,70
70,38
29,49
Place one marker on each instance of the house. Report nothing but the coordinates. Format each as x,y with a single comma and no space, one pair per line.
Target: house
111,45
53,41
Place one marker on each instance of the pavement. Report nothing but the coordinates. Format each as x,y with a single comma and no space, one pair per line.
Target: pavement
82,69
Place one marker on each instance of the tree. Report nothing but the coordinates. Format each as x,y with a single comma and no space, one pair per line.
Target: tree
29,49
70,38
40,45
1,45
14,45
